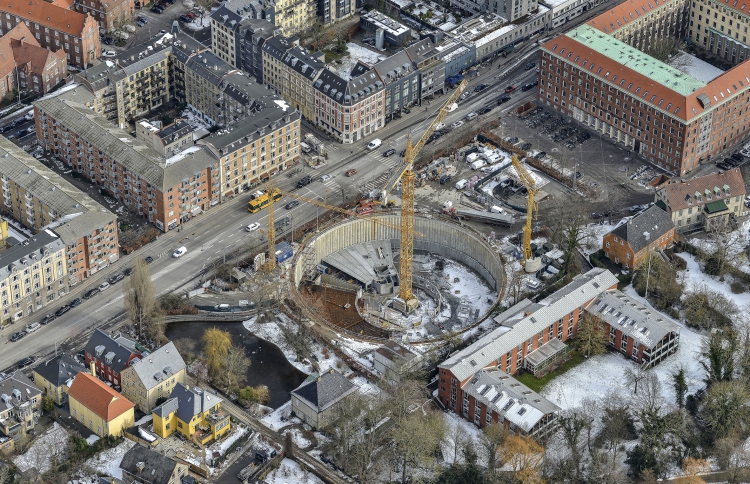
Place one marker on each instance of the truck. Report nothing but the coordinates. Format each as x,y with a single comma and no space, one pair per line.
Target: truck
461,213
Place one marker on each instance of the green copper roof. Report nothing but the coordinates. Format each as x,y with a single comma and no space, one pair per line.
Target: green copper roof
636,60
717,206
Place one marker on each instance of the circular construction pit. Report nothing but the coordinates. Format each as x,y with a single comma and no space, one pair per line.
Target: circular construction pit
346,277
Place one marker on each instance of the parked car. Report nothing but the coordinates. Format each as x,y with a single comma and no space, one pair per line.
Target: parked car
48,319
149,260
156,9
304,181
406,110
91,293
634,208
439,126
18,335
292,204
127,271
389,152
484,110
457,124
32,327
109,53
76,302
103,286
445,179
21,133
540,155
738,157
526,146
403,153
510,89
116,278
25,362
62,310
253,226
481,88
186,19
722,166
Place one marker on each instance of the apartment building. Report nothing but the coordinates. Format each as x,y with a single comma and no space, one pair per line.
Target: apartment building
294,16
530,336
39,198
54,377
291,72
192,412
138,83
21,409
169,140
32,275
153,377
250,152
669,117
349,110
110,14
108,356
330,11
430,65
631,241
394,33
509,10
695,204
55,27
401,79
638,332
252,35
229,22
492,33
168,191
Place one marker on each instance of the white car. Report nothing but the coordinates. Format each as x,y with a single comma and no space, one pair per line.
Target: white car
325,178
440,126
179,252
253,226
103,286
109,53
32,327
457,124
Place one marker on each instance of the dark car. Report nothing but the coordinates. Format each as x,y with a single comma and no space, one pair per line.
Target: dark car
403,153
48,319
529,66
513,140
738,157
62,310
503,100
149,260
91,293
116,278
156,9
528,86
16,336
510,89
540,155
526,146
291,204
186,19
76,302
722,166
406,110
445,179
577,175
481,88
484,110
389,152
108,40
21,133
127,271
26,362
304,181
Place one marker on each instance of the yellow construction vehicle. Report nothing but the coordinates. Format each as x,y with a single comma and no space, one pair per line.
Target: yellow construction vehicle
406,301
530,263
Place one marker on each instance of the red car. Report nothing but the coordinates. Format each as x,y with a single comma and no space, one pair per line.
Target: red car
510,89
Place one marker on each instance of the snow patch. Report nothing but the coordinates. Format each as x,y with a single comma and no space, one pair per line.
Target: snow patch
51,443
290,472
108,461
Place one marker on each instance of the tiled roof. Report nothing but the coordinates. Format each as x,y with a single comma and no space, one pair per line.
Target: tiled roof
100,345
641,230
644,325
35,57
623,13
47,14
187,402
681,194
154,368
22,256
16,389
326,390
93,394
60,369
489,348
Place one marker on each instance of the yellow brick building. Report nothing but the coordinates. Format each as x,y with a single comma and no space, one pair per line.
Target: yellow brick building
54,376
98,407
193,412
3,233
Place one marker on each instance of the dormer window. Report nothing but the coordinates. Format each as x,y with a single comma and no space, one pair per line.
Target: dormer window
689,199
708,194
726,190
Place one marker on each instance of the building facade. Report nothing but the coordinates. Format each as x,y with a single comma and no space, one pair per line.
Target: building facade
55,28
291,71
631,242
229,24
108,357
695,204
110,14
669,117
39,198
21,409
349,110
153,377
25,65
253,34
33,275
97,406
294,16
168,140
315,401
193,412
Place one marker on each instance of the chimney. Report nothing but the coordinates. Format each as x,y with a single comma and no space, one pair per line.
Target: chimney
140,466
93,367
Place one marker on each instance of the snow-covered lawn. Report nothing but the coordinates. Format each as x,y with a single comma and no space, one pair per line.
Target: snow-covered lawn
595,236
604,373
694,280
108,461
91,440
289,472
274,419
298,438
52,443
457,432
222,446
355,53
143,420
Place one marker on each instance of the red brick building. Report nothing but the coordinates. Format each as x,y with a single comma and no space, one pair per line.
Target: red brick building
24,64
630,242
107,13
109,356
55,27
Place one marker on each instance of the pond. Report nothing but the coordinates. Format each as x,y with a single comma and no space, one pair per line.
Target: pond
268,365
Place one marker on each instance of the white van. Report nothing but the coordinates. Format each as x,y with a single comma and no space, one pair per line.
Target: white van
179,252
496,209
305,147
452,107
460,184
471,116
478,164
374,144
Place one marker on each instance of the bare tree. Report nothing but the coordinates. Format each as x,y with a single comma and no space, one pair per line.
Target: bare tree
141,302
490,440
663,47
726,246
234,366
633,376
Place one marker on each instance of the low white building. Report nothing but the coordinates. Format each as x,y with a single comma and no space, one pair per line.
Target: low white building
564,10
393,360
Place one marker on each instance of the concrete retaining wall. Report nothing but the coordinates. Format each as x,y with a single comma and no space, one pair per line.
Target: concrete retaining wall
441,236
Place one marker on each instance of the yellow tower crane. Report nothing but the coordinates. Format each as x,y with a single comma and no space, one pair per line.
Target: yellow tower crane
530,263
406,176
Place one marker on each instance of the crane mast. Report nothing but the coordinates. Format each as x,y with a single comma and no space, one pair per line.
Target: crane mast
529,262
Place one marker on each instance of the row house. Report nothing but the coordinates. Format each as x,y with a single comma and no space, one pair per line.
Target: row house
349,110
530,337
291,71
32,275
695,204
168,191
108,356
39,198
55,27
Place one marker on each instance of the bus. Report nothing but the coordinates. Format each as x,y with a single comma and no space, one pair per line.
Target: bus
259,200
